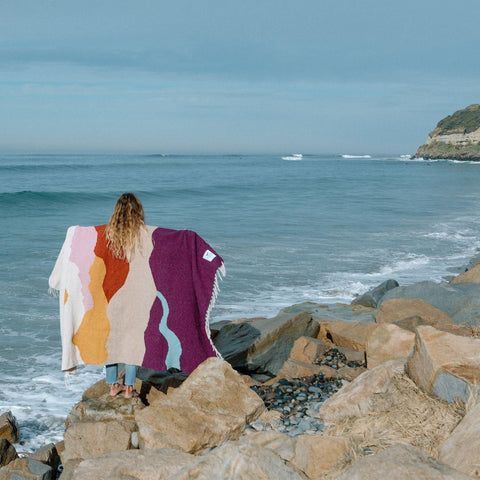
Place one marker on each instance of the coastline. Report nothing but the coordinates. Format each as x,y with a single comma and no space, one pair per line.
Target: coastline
456,298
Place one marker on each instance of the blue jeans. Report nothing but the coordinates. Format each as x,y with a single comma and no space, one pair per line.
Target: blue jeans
130,374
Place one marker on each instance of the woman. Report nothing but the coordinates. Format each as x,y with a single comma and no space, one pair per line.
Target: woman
135,294
123,235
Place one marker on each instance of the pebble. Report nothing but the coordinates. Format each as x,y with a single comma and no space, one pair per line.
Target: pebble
299,400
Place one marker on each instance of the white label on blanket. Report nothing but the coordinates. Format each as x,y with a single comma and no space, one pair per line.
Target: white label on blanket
208,255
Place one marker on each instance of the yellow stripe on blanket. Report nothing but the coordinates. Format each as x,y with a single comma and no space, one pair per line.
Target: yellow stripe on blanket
91,337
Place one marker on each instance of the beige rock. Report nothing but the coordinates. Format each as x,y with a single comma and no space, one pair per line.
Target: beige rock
352,355
445,365
239,461
318,454
349,373
387,342
296,369
134,465
401,462
355,398
472,275
8,427
7,452
399,309
277,442
351,335
249,381
213,405
26,469
69,469
462,449
96,390
308,349
104,408
91,439
411,324
101,387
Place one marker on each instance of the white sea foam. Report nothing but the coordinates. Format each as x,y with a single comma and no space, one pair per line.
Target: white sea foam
293,157
356,156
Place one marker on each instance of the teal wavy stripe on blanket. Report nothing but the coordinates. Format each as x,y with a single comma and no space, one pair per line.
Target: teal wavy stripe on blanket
174,345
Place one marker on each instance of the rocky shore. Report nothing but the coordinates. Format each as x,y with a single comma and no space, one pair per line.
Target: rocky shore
387,387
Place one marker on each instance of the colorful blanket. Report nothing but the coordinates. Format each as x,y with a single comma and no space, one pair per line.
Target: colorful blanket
152,312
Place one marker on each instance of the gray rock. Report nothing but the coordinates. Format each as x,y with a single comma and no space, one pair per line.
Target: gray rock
263,345
371,298
26,469
460,301
48,455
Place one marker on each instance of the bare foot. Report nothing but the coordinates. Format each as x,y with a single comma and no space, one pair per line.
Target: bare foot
115,389
130,392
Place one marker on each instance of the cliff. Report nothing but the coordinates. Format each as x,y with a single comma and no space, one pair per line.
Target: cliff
456,137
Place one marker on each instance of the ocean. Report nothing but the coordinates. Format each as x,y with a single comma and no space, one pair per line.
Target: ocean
290,228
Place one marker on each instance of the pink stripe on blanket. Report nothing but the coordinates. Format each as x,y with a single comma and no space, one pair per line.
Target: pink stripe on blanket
83,255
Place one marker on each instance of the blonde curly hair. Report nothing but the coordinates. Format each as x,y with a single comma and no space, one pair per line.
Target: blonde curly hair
125,227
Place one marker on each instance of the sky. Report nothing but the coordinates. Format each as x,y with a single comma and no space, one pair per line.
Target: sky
211,76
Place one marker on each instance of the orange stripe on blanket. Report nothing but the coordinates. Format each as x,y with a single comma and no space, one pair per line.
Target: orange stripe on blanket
65,297
91,337
116,269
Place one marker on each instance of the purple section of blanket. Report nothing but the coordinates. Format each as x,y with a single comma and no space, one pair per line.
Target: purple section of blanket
186,280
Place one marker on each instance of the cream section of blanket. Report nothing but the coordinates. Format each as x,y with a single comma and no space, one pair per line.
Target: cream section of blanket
130,307
65,279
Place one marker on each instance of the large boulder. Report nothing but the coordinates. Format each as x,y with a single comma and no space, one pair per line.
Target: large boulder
7,452
212,406
401,462
342,311
445,365
351,335
461,302
279,443
387,342
134,465
48,455
397,413
308,349
296,369
9,427
263,345
26,469
355,399
372,297
92,439
400,309
240,461
315,455
462,449
104,408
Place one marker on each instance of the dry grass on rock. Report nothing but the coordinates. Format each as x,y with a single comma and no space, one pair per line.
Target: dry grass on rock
404,415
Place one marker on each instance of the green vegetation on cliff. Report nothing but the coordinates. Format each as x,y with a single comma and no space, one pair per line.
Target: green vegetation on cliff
438,149
455,136
462,121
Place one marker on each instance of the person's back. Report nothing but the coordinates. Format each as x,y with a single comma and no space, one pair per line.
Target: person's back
135,294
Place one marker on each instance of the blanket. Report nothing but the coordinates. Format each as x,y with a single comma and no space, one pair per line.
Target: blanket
152,311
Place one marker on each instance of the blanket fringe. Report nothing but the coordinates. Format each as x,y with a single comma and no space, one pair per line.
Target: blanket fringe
53,292
220,273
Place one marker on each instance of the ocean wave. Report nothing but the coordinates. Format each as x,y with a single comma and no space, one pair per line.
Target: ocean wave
293,157
356,156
